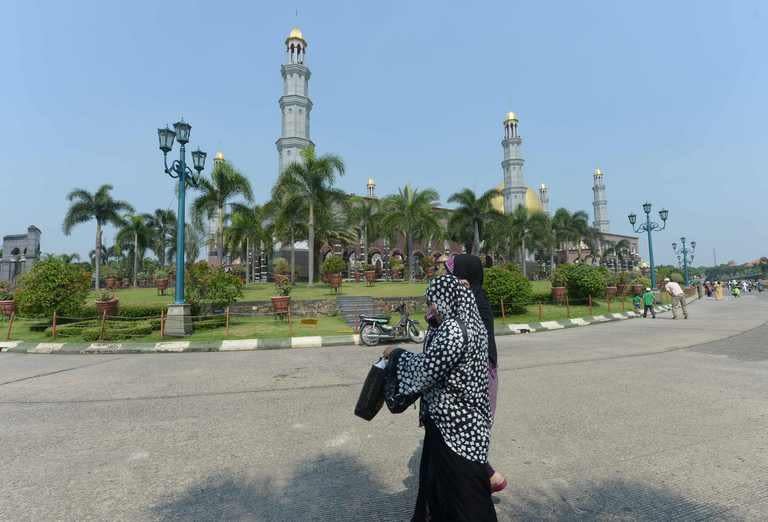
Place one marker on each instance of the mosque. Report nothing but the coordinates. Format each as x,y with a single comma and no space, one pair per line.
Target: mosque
296,107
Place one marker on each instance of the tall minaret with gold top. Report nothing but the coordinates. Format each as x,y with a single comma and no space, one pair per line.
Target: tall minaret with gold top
295,104
599,203
514,185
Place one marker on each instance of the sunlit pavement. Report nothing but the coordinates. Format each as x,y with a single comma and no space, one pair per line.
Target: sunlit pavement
634,420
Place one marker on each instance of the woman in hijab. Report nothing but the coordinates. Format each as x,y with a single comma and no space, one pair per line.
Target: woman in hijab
469,268
451,378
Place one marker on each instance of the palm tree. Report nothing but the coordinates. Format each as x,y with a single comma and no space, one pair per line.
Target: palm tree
163,222
99,206
411,213
472,214
311,179
617,250
225,183
245,232
364,215
529,230
69,258
193,237
136,233
289,224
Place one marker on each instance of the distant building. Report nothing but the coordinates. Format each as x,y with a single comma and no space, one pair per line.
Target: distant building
20,252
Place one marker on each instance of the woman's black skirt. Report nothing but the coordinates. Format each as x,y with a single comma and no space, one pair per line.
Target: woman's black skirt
451,488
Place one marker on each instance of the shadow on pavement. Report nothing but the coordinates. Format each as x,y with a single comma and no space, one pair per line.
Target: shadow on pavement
339,487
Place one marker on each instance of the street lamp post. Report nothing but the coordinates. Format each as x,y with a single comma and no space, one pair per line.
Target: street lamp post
18,267
179,315
684,256
649,226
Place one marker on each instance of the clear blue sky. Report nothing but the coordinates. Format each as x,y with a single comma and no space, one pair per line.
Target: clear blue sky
668,98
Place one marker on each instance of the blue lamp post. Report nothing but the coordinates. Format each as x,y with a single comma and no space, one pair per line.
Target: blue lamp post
649,226
179,315
684,256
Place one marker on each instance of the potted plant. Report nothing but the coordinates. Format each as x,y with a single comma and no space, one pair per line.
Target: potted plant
640,284
332,268
559,282
280,270
611,289
396,265
370,274
428,266
110,276
107,302
354,267
281,304
622,279
7,303
161,281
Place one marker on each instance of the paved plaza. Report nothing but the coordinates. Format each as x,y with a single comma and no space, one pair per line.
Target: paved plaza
634,420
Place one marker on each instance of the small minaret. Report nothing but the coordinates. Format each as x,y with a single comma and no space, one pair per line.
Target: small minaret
600,204
512,165
544,198
295,104
371,186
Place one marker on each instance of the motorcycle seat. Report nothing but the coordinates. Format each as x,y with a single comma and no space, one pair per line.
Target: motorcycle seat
377,318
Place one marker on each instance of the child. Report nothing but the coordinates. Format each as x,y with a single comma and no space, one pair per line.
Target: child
648,301
637,301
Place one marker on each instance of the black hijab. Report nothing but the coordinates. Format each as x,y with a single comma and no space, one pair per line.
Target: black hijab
470,268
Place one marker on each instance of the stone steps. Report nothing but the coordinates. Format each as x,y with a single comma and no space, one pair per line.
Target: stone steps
351,307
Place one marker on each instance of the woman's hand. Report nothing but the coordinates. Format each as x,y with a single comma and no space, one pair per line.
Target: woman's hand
387,351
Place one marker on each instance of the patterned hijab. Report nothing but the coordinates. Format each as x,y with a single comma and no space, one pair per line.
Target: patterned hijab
453,300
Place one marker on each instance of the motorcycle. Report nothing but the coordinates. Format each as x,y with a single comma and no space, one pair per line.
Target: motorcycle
376,328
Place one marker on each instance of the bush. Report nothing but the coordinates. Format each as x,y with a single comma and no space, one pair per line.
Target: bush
280,266
677,277
205,284
508,284
581,280
333,265
53,285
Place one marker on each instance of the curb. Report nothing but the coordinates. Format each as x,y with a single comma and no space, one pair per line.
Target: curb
242,345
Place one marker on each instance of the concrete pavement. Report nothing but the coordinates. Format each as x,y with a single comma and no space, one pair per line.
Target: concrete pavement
633,420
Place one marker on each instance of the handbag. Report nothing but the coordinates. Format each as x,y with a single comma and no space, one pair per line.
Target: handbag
371,397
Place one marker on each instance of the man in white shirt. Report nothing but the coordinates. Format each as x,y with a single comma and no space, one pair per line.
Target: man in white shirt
678,298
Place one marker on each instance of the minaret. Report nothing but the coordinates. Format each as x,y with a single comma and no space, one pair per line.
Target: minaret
514,185
544,198
600,204
371,186
294,103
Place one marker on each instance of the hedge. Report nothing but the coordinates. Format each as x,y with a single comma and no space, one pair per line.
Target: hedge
506,283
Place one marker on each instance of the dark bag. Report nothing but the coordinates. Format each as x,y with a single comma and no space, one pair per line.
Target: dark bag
371,397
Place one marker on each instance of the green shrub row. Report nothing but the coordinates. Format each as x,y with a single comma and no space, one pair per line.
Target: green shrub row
91,330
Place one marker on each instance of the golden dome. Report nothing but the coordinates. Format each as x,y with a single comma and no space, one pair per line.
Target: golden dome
598,172
295,33
532,201
370,182
511,116
219,156
542,187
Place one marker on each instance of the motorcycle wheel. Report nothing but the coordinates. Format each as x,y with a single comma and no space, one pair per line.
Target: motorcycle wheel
369,335
414,334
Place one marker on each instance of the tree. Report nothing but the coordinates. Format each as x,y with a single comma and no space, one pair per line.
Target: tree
163,224
529,230
192,240
570,229
137,234
98,206
225,184
411,213
245,232
619,250
53,285
289,224
472,214
365,217
311,179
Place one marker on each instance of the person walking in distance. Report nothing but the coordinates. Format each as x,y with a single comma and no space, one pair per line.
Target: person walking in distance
649,300
678,298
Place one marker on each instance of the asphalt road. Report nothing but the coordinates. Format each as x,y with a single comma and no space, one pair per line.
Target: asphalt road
635,420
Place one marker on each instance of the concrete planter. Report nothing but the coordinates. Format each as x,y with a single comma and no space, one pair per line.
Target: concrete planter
110,307
610,291
7,307
335,281
161,285
558,294
637,289
621,289
281,304
111,283
370,277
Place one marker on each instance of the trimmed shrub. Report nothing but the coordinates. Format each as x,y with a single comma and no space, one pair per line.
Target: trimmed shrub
333,265
205,284
280,266
53,285
507,283
677,277
582,280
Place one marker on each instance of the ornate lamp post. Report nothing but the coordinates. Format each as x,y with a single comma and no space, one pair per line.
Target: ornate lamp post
179,314
18,268
649,226
684,256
